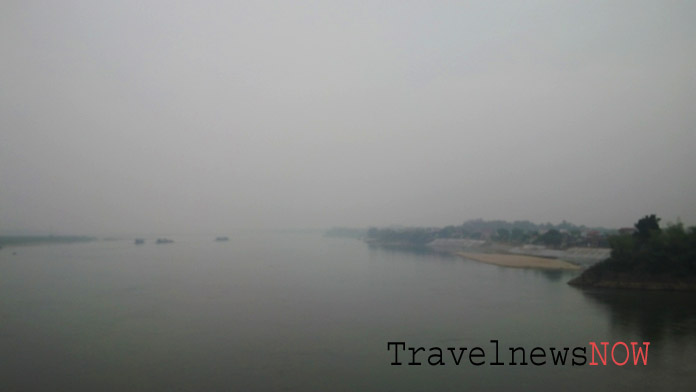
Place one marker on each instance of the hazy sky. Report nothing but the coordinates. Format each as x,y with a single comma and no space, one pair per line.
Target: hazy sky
166,116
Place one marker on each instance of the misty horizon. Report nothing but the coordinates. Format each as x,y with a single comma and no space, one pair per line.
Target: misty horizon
127,118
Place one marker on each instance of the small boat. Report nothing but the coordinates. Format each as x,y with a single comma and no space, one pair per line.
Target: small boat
164,241
139,241
222,239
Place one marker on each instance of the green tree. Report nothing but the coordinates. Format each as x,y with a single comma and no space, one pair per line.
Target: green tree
552,237
518,235
503,234
646,227
447,232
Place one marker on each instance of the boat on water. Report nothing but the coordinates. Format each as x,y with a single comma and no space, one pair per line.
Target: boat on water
222,239
139,241
164,241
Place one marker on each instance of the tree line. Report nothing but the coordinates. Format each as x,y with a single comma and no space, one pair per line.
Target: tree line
562,235
654,250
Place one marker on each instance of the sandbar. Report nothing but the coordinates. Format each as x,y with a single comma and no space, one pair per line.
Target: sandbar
519,261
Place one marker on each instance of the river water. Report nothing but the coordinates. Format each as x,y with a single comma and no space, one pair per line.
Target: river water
289,311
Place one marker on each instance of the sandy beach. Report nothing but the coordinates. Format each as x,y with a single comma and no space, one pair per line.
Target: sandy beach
519,261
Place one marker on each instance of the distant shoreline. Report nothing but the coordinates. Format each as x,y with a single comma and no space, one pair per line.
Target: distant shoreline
519,261
21,240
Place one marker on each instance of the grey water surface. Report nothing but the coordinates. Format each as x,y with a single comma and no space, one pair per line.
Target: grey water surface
290,311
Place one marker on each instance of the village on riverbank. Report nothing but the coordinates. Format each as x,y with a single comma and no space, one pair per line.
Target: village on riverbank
520,244
645,256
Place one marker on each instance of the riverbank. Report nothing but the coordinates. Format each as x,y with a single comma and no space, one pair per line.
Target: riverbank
519,261
633,280
37,240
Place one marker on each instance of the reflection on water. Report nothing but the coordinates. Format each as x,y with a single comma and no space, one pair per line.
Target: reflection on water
418,250
426,254
649,315
555,275
279,311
